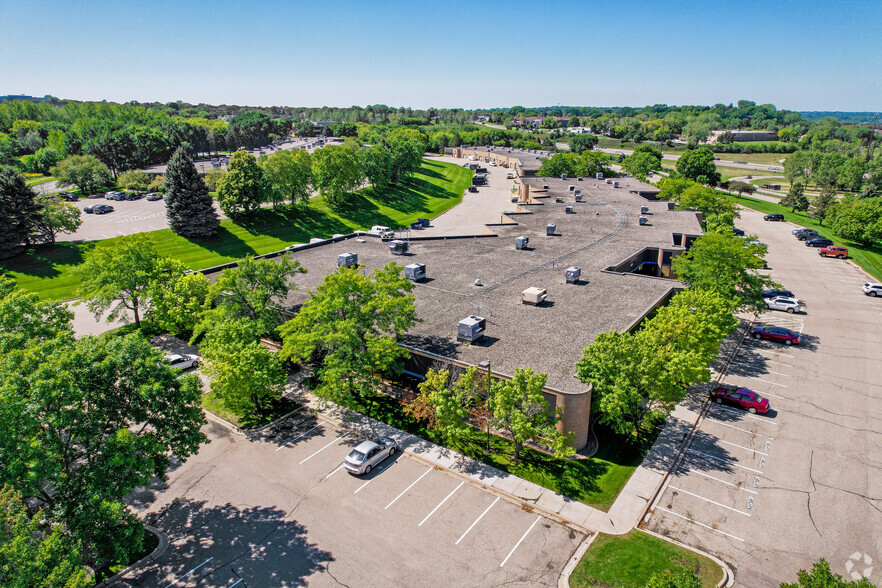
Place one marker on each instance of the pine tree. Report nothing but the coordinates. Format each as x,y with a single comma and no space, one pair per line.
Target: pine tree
18,213
189,208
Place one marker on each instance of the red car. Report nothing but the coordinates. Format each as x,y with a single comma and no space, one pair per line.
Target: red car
831,251
740,398
780,334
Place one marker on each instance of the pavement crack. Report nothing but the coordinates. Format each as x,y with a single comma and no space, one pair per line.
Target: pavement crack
328,570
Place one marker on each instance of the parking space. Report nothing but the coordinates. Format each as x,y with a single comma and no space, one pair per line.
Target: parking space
773,493
280,510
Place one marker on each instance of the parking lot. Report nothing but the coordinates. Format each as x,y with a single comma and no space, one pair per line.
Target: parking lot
128,217
771,494
280,510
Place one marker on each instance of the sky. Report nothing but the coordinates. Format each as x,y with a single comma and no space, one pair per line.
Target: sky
795,54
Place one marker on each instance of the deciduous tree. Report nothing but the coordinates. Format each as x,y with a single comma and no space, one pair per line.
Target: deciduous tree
822,203
289,174
56,216
698,165
133,179
86,172
376,163
244,187
858,220
580,142
820,576
336,172
178,301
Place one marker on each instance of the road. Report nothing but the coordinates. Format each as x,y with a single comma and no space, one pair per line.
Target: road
771,494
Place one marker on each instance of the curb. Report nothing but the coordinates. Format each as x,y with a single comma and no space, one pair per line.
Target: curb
728,576
564,580
153,556
239,430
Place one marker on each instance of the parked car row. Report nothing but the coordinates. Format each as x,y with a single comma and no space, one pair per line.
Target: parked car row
122,196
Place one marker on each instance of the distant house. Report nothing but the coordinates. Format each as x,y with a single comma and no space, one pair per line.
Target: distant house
742,136
482,118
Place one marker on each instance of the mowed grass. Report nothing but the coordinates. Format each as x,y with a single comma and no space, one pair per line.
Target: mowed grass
727,173
869,258
596,481
630,560
437,187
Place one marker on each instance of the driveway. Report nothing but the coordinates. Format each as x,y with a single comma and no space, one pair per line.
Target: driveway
771,494
278,509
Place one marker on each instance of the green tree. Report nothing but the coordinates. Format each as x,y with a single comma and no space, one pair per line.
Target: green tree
716,208
46,158
19,213
289,175
344,130
698,165
821,576
83,171
86,421
251,290
823,203
133,180
741,187
858,220
56,216
519,408
244,187
796,198
243,372
213,177
188,206
376,163
25,319
549,122
350,325
119,277
303,128
407,147
724,263
33,552
640,165
336,172
179,301
157,184
580,142
445,405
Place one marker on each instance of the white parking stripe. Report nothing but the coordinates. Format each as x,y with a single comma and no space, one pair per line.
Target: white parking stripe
699,524
731,426
237,582
476,520
375,477
446,498
747,514
339,467
749,416
521,540
408,488
767,381
728,461
297,437
743,447
190,572
775,396
322,449
688,471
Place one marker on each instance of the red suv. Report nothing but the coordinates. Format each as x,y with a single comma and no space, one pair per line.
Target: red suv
780,334
741,398
831,251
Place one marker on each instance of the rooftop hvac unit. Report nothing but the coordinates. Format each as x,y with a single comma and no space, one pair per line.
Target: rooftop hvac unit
415,272
563,176
559,200
471,328
398,247
569,210
521,242
347,259
643,220
599,175
578,198
550,229
572,187
544,186
573,274
534,296
608,181
615,184
425,222
644,210
577,191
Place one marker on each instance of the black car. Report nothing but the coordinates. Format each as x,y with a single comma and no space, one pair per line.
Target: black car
737,231
773,217
818,242
775,293
69,196
804,234
102,208
88,209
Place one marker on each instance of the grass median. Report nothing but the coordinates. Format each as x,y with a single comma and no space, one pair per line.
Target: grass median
596,481
436,187
630,560
869,258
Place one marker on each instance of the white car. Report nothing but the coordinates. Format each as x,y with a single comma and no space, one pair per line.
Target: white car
785,303
872,289
368,454
492,164
182,362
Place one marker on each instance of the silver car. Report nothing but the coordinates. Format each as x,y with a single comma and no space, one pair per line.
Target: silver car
183,361
368,454
790,305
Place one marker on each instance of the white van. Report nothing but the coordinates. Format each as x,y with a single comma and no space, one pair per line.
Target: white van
382,232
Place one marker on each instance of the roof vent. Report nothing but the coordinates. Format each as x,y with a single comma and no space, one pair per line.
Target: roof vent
347,259
578,198
415,272
644,210
572,187
534,296
572,274
643,220
471,328
569,210
615,184
398,247
521,242
599,175
550,229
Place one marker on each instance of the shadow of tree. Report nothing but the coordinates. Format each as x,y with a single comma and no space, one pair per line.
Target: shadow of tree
225,243
242,542
41,261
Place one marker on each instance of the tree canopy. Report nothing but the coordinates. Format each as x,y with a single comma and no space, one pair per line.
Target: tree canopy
244,187
698,165
336,172
19,213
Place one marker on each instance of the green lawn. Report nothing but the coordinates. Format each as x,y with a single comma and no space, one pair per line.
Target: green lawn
630,560
39,180
437,187
762,158
270,411
868,258
596,481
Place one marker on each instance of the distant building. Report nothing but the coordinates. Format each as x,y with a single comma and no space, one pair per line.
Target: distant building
742,136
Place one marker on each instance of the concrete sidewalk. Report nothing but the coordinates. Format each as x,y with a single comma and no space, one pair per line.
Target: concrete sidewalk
624,515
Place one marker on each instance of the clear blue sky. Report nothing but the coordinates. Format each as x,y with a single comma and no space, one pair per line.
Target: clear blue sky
797,54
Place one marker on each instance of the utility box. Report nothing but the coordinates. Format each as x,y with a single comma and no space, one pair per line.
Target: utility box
572,274
415,272
615,184
559,200
599,175
550,229
578,198
471,328
643,220
569,210
347,259
572,188
644,210
534,296
398,247
577,191
563,176
521,242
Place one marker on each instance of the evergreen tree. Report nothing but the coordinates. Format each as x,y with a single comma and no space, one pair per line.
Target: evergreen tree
189,208
18,213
